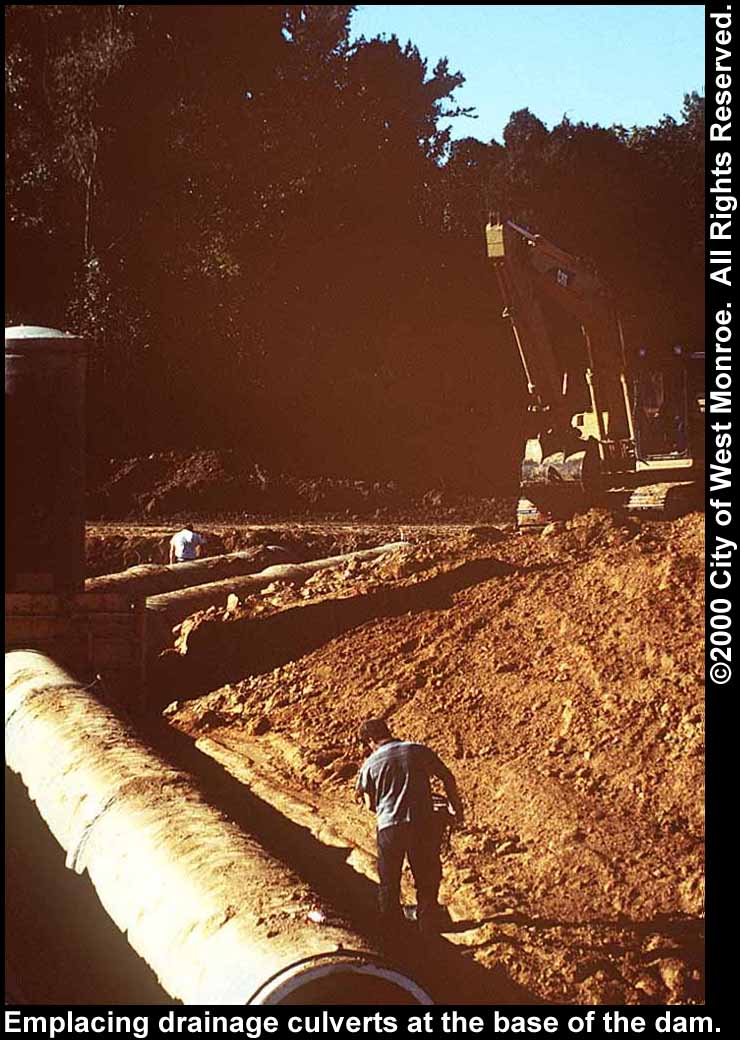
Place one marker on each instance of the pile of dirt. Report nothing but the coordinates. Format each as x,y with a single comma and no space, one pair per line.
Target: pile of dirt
163,484
561,677
355,578
210,484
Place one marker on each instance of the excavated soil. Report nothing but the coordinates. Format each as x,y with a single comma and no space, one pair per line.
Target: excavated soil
208,484
560,676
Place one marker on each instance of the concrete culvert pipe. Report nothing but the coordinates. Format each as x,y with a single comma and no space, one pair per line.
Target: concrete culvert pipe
218,919
166,610
157,579
152,579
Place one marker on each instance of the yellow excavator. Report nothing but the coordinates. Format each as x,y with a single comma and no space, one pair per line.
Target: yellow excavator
602,429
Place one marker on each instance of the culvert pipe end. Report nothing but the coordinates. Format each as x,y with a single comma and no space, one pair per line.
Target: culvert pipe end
345,977
219,920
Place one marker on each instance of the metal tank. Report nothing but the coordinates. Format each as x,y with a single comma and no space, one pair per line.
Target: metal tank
44,460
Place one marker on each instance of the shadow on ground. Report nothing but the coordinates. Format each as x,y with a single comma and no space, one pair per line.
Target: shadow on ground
221,652
447,971
61,947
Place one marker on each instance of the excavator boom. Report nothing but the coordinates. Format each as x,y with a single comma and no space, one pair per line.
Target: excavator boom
582,416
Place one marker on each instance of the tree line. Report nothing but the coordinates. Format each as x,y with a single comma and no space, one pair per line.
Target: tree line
274,244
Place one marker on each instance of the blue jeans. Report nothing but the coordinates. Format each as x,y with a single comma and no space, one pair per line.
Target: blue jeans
421,845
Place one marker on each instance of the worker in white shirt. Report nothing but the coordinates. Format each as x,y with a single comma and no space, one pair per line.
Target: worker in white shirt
186,545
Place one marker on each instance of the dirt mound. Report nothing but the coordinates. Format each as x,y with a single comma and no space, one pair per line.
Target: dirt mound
355,578
209,484
561,677
164,484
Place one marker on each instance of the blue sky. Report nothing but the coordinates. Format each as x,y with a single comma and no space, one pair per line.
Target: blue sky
603,64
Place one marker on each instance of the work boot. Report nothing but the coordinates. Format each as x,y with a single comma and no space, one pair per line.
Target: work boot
433,920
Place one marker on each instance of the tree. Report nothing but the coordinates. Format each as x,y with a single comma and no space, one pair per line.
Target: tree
272,241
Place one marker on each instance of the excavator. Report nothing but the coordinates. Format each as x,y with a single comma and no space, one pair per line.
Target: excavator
603,427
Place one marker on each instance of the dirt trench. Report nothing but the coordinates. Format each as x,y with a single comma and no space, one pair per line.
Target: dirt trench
115,546
561,678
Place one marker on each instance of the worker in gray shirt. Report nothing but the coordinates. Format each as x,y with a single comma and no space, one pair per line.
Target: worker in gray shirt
394,783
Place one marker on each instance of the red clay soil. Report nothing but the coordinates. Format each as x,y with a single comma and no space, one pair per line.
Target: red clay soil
209,484
561,676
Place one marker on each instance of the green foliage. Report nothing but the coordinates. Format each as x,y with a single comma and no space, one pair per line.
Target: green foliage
631,201
271,239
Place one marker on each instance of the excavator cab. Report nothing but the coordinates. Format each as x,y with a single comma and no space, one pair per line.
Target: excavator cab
668,404
660,400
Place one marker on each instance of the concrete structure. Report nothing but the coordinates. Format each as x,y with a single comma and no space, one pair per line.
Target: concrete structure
44,460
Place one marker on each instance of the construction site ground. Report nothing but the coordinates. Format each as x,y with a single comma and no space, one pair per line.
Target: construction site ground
560,675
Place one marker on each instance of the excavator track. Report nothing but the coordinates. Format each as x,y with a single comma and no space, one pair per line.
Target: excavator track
668,499
665,500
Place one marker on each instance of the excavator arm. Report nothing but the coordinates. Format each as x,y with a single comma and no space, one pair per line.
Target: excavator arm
569,444
582,413
529,268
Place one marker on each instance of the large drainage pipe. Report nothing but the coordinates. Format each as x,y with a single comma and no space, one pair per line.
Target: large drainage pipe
152,579
217,918
170,608
157,579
